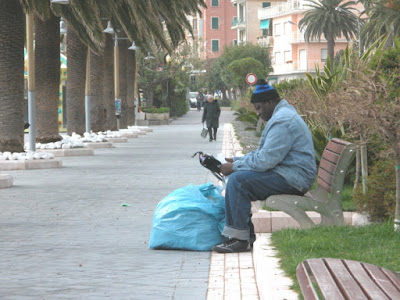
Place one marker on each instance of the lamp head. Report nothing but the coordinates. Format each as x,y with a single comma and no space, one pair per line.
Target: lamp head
133,47
109,28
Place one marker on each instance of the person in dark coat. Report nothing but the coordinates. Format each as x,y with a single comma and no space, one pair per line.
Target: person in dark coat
211,116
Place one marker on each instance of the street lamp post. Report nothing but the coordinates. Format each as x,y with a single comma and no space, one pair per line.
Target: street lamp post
135,101
87,92
110,30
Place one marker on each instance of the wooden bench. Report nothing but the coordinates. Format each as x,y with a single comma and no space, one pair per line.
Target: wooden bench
326,198
338,279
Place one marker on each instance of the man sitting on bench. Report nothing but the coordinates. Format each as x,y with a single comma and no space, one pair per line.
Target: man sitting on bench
284,163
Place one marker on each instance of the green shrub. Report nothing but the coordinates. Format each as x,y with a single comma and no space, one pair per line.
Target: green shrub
179,108
155,110
225,103
380,199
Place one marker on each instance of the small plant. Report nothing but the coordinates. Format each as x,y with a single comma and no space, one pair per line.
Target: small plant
155,110
380,199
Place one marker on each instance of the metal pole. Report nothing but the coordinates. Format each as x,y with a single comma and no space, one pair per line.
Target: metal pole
87,93
116,72
31,82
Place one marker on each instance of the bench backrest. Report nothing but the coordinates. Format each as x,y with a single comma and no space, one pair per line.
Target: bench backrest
334,163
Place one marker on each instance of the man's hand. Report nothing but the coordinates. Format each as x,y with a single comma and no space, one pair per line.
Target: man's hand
227,169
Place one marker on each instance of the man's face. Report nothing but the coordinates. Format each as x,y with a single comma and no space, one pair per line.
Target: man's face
264,109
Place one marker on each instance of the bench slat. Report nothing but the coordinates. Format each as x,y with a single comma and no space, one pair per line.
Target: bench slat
324,279
383,281
325,180
305,282
330,156
370,288
336,145
327,166
393,277
344,280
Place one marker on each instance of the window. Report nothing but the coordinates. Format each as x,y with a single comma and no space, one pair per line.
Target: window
215,23
235,42
278,58
303,60
278,29
324,54
215,45
214,2
287,57
266,4
287,28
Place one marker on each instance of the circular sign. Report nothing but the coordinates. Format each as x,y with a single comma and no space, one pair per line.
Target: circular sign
251,78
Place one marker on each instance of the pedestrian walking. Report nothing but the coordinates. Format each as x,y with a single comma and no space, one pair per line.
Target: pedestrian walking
211,115
199,98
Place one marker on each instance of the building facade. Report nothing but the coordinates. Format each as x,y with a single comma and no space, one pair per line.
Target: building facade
291,55
212,31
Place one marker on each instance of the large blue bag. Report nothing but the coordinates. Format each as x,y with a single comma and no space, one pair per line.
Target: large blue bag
190,218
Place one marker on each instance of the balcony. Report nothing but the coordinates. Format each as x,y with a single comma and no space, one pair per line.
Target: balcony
282,8
296,66
266,41
238,23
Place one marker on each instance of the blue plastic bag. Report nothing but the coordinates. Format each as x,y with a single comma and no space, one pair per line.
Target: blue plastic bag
190,218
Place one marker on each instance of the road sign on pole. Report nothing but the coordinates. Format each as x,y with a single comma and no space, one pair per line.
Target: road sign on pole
251,78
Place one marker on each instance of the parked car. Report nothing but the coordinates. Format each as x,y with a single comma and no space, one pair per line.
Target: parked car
192,99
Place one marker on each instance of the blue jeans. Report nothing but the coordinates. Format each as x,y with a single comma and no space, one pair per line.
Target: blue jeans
244,187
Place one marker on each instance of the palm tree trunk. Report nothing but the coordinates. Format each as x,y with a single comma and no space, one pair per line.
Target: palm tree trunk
108,85
47,77
11,76
131,78
123,57
76,52
331,49
96,95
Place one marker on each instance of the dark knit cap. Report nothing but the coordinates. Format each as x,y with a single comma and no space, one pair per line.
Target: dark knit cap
264,92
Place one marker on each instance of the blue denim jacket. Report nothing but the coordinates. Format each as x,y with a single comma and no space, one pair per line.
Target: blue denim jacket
286,147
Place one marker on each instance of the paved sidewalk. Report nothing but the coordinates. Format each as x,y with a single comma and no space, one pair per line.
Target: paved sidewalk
67,233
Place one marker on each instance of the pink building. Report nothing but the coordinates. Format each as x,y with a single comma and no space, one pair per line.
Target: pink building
291,55
215,30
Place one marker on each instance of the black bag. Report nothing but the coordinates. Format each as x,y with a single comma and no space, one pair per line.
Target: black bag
204,132
211,163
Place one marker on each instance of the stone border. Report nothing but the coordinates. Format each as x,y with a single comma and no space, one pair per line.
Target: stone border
6,181
117,139
8,165
98,145
68,152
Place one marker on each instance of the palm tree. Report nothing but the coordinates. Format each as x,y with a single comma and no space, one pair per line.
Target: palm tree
331,19
96,80
76,52
12,20
383,18
47,77
131,92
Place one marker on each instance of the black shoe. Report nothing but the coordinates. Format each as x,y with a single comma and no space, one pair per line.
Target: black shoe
232,245
211,140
